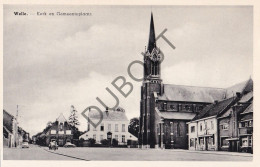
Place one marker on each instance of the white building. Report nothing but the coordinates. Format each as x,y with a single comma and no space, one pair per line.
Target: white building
203,129
114,121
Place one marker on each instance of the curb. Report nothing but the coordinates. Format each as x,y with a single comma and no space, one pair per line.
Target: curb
66,155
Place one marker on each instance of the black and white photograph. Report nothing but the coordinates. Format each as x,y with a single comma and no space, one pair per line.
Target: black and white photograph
128,83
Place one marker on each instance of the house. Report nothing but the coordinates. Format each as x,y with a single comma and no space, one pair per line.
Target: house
228,121
114,125
13,135
245,125
9,128
203,129
165,109
59,131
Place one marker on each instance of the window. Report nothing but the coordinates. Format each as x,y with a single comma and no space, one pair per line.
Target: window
61,126
211,140
116,137
173,107
123,138
101,137
250,141
201,141
165,106
61,132
94,137
192,129
53,131
123,127
116,127
246,124
212,125
250,124
244,142
206,125
224,142
192,142
102,127
68,132
224,126
200,126
109,127
180,107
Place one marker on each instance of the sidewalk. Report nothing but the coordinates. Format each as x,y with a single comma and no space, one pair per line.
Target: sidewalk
216,152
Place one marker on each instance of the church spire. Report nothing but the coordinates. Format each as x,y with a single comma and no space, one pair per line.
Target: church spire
152,40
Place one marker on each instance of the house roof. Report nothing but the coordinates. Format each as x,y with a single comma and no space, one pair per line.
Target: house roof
242,87
61,118
192,93
245,116
110,115
177,115
247,97
248,109
214,109
5,112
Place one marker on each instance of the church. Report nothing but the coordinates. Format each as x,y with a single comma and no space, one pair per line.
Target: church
165,109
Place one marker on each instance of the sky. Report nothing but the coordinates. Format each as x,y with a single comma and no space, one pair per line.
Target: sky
53,62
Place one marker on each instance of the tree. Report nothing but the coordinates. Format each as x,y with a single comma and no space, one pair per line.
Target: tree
74,122
134,126
73,119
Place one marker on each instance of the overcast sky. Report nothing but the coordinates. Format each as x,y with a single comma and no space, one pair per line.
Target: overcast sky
53,62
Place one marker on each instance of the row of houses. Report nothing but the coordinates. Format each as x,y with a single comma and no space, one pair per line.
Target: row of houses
114,125
225,125
13,135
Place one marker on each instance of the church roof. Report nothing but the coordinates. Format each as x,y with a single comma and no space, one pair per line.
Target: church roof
110,115
204,94
192,93
214,109
152,39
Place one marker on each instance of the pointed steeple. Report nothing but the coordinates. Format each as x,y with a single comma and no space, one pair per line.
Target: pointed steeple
152,40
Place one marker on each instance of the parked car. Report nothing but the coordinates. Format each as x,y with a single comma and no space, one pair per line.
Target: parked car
69,144
53,146
25,145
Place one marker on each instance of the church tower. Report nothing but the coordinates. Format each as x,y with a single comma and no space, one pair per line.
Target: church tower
151,87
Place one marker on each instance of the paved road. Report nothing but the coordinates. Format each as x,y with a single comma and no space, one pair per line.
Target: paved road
119,154
32,153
